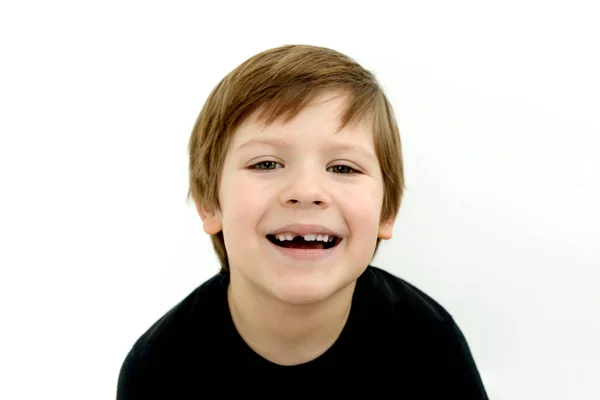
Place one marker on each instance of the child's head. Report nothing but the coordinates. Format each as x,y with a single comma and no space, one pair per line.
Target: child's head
297,135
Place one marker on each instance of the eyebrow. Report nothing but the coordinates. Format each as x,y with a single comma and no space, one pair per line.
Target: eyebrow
262,141
282,143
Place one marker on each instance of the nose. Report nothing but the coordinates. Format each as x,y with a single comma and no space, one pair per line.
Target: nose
306,189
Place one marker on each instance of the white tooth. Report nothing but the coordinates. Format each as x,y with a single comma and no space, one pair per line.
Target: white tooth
331,238
280,237
310,237
289,236
320,237
325,238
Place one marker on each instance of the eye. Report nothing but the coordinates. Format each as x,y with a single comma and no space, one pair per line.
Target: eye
343,169
266,165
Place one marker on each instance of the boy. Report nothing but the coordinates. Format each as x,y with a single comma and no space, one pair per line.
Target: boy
296,172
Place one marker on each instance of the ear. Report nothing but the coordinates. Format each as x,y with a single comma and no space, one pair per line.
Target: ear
211,220
386,229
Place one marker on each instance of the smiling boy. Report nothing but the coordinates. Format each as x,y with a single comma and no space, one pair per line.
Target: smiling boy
296,172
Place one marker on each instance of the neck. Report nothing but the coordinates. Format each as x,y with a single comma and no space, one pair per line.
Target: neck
283,333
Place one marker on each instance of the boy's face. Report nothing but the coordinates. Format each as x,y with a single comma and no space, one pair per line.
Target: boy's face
293,179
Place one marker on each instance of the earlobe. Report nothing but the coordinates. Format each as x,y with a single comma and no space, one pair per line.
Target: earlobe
386,230
211,221
212,224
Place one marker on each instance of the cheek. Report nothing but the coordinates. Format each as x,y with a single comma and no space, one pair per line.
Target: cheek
362,208
367,197
243,206
243,203
364,215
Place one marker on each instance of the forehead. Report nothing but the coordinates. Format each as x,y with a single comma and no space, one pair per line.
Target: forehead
318,121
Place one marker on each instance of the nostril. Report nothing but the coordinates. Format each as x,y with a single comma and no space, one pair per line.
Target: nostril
315,202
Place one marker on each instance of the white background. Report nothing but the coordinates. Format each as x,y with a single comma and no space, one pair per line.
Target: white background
498,106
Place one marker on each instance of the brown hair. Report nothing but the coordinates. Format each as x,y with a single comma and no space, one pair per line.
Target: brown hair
280,82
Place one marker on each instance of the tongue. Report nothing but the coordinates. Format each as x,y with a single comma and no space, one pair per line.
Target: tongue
302,244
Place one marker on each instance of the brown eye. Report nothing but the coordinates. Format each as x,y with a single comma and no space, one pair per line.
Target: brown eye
343,169
266,165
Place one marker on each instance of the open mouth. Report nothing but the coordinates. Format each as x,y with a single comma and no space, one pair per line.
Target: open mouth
299,242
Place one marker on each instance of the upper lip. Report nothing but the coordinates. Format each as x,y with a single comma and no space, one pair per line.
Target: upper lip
303,229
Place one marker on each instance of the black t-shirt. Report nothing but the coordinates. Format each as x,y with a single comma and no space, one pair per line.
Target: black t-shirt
393,330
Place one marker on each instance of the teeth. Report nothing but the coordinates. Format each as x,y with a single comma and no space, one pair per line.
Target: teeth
283,237
308,237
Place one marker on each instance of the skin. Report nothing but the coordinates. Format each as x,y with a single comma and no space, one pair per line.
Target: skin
291,310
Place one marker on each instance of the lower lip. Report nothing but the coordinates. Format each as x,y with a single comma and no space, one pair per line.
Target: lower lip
304,254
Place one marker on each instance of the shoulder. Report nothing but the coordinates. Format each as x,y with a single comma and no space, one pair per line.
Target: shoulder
183,319
423,331
174,337
401,298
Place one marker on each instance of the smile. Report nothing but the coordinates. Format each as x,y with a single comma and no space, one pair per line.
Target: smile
310,242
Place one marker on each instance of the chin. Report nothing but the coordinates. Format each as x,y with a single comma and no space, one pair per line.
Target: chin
307,291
